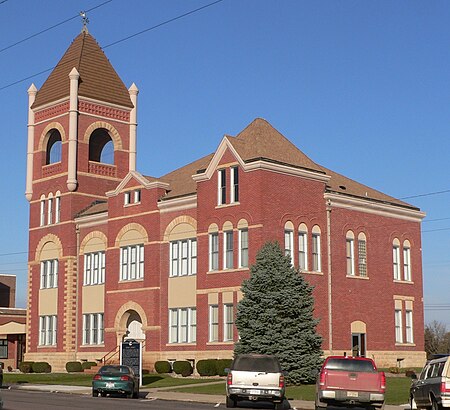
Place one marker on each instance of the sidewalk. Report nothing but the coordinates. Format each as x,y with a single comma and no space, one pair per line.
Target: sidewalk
164,393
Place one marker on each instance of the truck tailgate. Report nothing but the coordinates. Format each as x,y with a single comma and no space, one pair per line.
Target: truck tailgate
357,381
262,379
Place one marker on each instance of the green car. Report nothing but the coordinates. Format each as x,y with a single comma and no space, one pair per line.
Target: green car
116,379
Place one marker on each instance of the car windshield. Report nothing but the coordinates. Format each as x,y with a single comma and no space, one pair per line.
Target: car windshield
114,370
256,364
350,365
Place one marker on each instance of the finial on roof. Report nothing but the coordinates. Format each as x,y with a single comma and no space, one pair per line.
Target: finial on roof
85,22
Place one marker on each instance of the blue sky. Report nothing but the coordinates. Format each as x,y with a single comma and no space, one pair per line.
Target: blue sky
361,87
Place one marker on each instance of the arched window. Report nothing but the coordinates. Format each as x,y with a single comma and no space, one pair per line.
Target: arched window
303,247
362,254
54,147
289,240
396,259
350,253
101,147
316,252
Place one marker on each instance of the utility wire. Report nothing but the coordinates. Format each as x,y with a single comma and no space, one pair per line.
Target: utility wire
428,194
118,41
50,28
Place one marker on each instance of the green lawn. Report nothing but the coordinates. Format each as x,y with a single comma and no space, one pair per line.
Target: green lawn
397,391
81,379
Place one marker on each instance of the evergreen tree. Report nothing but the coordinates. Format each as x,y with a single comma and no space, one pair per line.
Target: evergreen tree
275,316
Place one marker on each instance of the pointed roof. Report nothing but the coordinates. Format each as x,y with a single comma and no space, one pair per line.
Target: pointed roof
98,79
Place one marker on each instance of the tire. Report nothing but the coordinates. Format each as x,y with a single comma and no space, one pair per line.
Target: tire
230,403
129,395
412,403
278,406
103,394
435,405
94,393
319,405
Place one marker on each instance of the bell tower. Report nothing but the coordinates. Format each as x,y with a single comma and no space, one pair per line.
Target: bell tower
81,144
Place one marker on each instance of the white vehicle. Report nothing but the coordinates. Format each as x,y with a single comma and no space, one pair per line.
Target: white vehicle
255,377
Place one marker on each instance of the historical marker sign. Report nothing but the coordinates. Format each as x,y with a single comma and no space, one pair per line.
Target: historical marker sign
131,355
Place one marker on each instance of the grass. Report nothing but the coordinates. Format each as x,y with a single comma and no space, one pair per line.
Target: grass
397,391
81,379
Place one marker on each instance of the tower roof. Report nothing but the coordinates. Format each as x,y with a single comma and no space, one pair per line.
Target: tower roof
98,79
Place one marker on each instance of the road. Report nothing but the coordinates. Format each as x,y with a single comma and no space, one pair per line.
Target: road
37,400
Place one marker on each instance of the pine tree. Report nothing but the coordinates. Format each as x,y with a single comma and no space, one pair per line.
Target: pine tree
275,316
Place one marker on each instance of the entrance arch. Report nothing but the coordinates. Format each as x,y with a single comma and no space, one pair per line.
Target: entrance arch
130,322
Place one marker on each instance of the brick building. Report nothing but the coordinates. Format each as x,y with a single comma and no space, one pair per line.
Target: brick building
116,254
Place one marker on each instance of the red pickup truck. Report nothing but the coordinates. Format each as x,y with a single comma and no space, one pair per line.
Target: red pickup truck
350,381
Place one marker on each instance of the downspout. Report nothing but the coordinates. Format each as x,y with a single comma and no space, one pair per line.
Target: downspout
30,145
330,316
73,131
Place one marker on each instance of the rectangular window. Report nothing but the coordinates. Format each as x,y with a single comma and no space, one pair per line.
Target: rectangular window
57,209
47,330
213,323
132,262
222,187
234,184
137,196
184,258
398,326
396,262
228,321
316,262
243,248
3,348
409,326
407,264
94,268
49,274
288,244
214,251
126,198
49,211
42,220
193,254
93,329
228,250
182,325
350,257
362,257
302,251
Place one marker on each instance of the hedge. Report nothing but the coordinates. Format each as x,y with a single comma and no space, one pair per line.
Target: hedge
88,365
26,367
207,367
182,367
41,367
163,366
74,367
221,365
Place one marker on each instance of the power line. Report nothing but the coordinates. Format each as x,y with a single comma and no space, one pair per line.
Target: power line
121,40
50,28
427,194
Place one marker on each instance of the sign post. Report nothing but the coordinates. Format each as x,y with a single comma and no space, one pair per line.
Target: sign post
131,355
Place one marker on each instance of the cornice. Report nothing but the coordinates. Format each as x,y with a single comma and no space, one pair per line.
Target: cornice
92,220
371,206
178,204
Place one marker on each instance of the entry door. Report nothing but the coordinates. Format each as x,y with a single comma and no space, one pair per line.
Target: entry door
359,344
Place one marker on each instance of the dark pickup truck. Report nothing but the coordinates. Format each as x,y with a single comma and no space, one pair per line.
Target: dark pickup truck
350,381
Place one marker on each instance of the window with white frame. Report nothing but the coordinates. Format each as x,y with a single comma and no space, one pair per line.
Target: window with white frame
243,248
303,250
42,212
350,256
94,268
234,184
57,209
132,197
289,244
49,274
49,211
362,255
228,250
396,261
398,326
3,348
182,325
47,330
126,198
93,329
222,187
316,257
214,251
228,321
132,262
213,323
406,263
409,326
137,196
183,257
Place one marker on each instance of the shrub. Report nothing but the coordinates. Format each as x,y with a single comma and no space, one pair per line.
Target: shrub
74,367
207,367
9,369
163,366
41,367
26,367
88,365
410,372
394,370
221,365
182,367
